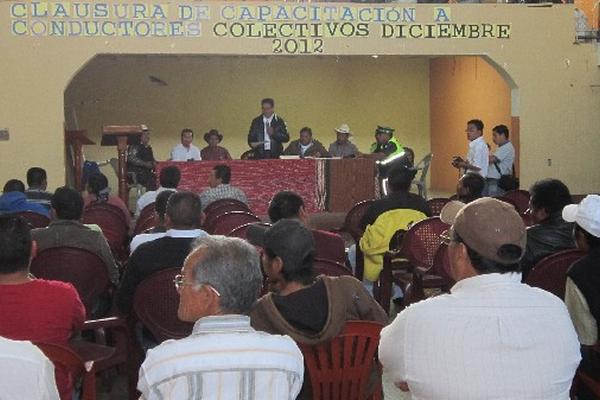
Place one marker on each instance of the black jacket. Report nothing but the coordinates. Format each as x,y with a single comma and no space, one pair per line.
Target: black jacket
585,273
280,135
546,238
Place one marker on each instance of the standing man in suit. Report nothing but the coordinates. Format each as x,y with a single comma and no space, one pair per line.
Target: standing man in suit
267,132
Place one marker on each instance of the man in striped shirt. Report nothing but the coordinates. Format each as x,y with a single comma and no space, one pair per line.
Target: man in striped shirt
223,358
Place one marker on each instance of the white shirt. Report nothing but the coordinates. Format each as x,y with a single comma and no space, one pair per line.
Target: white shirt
26,372
175,233
303,148
479,156
491,338
223,358
148,198
266,136
182,153
506,157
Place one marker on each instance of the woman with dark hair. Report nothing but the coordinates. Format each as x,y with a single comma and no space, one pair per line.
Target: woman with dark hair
214,152
99,192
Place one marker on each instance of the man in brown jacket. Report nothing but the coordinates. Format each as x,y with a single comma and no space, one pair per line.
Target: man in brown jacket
306,146
310,310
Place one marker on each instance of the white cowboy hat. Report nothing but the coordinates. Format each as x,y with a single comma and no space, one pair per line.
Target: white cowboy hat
344,128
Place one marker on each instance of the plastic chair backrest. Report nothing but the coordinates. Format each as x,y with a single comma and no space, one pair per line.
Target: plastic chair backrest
84,269
423,165
68,362
145,220
111,220
155,304
519,198
34,219
329,246
225,223
550,273
340,368
352,222
422,240
436,205
441,265
240,231
327,267
227,205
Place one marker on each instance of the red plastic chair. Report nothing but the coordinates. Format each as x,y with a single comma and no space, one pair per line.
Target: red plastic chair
330,268
340,368
34,219
510,201
329,246
550,273
227,222
240,231
421,242
84,269
227,205
145,220
67,361
436,205
113,224
352,223
520,198
155,304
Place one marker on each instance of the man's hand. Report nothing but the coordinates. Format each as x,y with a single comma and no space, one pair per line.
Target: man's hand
254,145
402,386
458,162
270,130
493,159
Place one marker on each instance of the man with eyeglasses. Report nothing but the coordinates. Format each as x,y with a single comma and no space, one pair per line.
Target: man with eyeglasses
492,337
224,357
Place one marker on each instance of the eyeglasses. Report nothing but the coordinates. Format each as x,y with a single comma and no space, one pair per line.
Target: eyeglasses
180,282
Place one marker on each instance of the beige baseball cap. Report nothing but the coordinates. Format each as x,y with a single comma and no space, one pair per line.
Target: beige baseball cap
586,214
488,226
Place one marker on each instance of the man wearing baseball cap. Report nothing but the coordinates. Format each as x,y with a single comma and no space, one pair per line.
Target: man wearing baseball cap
582,294
492,337
309,309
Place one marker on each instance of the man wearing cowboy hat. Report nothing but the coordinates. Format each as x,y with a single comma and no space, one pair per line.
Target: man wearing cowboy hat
214,152
343,147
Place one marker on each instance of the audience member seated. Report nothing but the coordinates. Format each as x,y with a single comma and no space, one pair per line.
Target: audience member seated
343,147
33,309
224,357
582,294
219,187
306,146
38,183
289,205
99,192
65,230
26,372
214,152
492,337
310,310
183,220
186,151
159,230
470,187
169,180
14,200
550,233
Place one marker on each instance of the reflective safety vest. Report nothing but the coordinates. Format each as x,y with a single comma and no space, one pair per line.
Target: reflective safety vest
399,148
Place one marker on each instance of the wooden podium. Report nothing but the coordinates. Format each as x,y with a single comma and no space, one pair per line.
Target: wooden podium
78,139
121,136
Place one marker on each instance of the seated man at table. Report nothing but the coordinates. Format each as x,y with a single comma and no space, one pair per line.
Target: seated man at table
33,309
65,230
219,187
492,337
343,147
267,132
306,146
37,181
289,205
386,145
186,151
169,180
214,152
159,230
14,200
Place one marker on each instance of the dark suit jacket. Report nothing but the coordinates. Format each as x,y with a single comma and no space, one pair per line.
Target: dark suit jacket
280,135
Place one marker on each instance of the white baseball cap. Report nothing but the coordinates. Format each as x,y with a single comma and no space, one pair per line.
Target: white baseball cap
586,214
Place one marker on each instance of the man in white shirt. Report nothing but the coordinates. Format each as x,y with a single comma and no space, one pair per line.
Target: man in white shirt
169,180
159,230
478,155
501,162
26,372
224,357
492,337
186,151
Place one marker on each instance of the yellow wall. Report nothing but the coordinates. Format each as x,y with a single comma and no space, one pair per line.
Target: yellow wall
225,92
462,88
554,82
